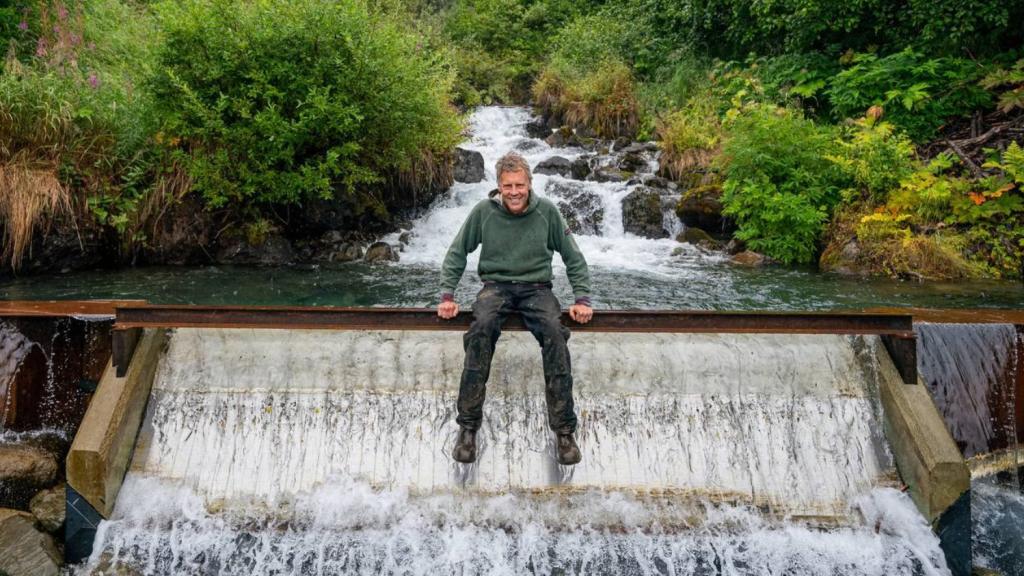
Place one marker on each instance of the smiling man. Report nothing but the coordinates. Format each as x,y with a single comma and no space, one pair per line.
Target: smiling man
518,233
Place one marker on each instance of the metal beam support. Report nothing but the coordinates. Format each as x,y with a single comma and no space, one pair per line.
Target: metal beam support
903,350
293,317
123,342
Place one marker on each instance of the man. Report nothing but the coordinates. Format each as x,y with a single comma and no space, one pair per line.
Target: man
519,232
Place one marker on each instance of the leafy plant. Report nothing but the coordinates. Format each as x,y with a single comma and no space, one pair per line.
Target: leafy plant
282,102
918,94
875,157
779,185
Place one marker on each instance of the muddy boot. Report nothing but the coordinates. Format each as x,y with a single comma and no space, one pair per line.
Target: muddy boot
465,446
568,451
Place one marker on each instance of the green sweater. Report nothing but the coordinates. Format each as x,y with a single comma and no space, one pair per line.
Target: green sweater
516,247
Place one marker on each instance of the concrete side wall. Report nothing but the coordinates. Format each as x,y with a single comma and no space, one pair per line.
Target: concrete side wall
102,449
925,453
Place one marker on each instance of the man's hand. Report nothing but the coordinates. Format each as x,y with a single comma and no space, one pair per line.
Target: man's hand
580,313
448,310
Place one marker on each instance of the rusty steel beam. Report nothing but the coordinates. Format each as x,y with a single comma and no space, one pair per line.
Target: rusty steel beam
896,330
334,318
60,308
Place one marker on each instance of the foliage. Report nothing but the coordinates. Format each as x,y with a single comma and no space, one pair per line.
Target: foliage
1010,82
76,133
779,186
918,94
874,157
602,100
690,138
282,102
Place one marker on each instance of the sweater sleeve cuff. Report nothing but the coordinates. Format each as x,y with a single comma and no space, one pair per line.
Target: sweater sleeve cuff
447,297
584,300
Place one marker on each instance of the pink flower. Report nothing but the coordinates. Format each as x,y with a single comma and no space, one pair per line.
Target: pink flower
94,80
62,12
41,47
22,25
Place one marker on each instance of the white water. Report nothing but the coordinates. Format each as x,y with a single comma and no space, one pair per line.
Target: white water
497,130
14,347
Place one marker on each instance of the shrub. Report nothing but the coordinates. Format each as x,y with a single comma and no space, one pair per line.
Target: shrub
282,102
74,140
919,95
874,157
1009,82
779,185
603,100
690,139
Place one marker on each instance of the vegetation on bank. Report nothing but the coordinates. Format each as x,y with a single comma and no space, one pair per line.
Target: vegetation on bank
865,135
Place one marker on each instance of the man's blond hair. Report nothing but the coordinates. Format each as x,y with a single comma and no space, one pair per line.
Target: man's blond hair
512,162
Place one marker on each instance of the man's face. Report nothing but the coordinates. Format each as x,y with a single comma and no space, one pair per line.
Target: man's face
515,191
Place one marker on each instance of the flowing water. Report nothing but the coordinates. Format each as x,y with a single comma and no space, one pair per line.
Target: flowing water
298,452
628,271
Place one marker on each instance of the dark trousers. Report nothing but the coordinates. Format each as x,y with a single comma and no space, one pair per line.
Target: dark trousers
542,315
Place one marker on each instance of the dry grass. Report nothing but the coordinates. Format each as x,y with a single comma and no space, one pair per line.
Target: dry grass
604,101
31,195
690,139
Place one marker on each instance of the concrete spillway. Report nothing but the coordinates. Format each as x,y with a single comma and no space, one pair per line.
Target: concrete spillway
787,422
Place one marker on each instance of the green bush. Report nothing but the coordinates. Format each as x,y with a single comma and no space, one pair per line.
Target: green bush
874,157
280,101
779,185
918,94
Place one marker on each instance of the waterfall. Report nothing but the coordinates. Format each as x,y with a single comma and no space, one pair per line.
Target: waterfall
307,452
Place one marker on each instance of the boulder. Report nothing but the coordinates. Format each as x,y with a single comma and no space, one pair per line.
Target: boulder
48,508
606,175
636,147
735,246
381,252
845,261
527,145
108,565
749,258
580,169
698,237
582,209
555,165
633,162
641,213
702,207
538,128
405,238
560,138
469,166
657,182
25,469
273,251
621,143
24,550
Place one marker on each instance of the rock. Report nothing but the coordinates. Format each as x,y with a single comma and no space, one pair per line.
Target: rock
749,258
332,237
469,166
23,549
559,138
347,252
538,128
844,261
698,237
580,169
634,162
405,237
621,143
108,565
702,207
735,246
657,182
25,469
381,252
48,508
606,175
273,251
554,165
582,209
527,145
636,147
641,213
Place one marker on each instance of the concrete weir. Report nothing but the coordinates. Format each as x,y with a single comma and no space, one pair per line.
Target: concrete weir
797,425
